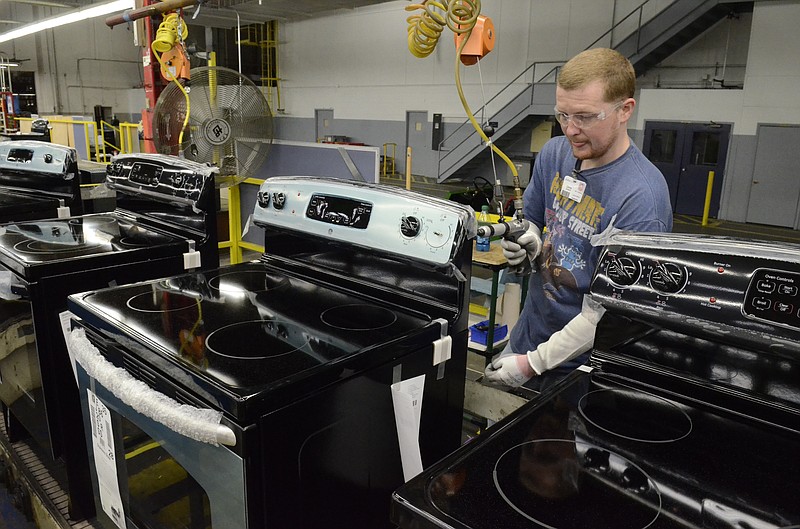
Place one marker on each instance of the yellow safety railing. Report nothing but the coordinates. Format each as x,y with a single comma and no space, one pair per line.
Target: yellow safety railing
129,132
235,242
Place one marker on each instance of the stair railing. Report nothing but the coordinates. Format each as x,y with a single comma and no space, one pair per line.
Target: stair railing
552,73
636,11
514,83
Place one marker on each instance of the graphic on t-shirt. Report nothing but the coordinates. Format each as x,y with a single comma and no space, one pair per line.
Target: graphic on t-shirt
570,225
582,218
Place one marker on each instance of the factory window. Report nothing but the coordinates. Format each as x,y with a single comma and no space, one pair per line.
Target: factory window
662,145
705,148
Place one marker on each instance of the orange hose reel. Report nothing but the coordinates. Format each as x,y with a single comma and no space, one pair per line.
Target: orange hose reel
480,42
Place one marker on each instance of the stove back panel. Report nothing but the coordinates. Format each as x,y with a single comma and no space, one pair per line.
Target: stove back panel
744,293
174,194
42,169
373,237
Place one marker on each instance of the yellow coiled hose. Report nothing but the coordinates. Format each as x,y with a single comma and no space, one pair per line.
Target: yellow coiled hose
424,30
171,32
167,33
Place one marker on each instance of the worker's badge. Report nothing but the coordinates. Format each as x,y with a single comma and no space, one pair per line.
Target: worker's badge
572,188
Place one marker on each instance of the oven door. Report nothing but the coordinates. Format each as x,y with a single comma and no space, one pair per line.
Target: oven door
20,375
147,475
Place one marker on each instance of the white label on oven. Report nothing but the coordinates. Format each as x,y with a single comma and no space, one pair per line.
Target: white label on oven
105,459
407,400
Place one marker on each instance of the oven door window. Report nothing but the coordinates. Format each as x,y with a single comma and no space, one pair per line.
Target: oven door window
165,479
161,492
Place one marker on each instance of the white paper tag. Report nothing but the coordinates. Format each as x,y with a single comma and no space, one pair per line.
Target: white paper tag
573,188
105,460
407,400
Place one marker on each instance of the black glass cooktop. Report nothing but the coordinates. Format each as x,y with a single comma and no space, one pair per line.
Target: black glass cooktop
43,241
606,452
247,328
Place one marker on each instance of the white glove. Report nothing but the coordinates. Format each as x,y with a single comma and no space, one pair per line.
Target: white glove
528,244
574,339
508,371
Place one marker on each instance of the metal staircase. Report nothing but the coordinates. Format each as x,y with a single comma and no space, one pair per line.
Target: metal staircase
529,99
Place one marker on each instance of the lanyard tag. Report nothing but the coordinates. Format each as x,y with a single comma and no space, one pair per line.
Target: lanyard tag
573,188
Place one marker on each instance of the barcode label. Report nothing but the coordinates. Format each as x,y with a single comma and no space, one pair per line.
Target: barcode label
105,459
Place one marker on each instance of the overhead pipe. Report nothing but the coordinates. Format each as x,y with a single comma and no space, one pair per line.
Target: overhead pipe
146,11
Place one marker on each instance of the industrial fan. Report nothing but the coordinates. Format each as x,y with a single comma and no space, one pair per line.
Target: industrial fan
229,124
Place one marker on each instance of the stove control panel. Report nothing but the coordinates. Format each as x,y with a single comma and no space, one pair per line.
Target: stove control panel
774,296
719,285
388,219
32,156
157,175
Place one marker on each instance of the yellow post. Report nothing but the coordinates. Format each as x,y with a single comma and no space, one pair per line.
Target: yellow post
234,224
709,190
408,167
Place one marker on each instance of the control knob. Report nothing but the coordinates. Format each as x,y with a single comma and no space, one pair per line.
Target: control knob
263,199
410,226
623,271
635,480
278,200
668,278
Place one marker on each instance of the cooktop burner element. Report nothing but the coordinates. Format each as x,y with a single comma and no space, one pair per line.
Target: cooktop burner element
275,338
163,302
240,282
562,484
358,317
635,415
77,247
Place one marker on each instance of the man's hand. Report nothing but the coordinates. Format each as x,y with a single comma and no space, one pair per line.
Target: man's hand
528,245
508,371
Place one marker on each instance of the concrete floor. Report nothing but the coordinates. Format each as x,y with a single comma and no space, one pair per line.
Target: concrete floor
688,224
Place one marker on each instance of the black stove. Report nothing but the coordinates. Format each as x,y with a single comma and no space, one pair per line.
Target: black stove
362,289
164,223
38,180
687,415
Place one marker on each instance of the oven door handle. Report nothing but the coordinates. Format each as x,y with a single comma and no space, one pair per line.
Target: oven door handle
200,424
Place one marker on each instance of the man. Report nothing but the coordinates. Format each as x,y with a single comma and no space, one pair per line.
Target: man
589,180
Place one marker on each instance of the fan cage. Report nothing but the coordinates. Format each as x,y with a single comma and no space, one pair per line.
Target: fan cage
230,123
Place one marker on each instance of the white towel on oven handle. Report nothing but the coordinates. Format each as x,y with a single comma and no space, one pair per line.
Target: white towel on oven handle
6,280
195,423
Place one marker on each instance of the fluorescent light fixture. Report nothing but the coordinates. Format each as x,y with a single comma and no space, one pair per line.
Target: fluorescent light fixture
40,3
6,64
68,18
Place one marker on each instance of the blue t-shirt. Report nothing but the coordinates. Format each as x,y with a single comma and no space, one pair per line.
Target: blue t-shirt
630,187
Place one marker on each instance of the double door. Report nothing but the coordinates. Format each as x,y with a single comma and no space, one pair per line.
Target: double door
686,153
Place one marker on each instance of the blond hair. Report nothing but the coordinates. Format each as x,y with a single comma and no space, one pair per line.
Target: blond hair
602,64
